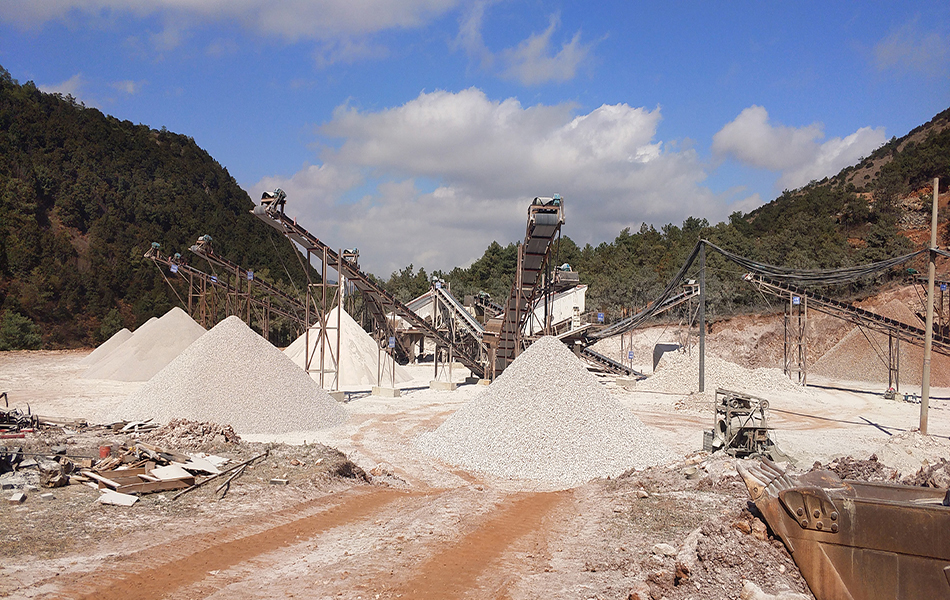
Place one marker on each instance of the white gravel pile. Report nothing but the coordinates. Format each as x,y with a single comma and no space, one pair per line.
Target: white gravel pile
105,348
233,376
546,418
359,355
678,373
152,346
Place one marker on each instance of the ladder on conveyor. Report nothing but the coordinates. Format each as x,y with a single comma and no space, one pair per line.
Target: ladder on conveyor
379,302
545,217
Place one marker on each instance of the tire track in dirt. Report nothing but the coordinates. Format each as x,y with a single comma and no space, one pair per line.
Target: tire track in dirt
457,570
167,576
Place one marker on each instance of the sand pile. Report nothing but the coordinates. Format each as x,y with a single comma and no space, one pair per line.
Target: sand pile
546,418
152,346
233,376
359,355
105,348
678,373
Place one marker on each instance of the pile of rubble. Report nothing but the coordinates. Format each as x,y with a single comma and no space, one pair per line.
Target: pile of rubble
183,433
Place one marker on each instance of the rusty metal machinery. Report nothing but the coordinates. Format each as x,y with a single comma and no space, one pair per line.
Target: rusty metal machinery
854,540
740,426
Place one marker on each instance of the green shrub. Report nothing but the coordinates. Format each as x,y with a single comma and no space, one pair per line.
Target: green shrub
18,332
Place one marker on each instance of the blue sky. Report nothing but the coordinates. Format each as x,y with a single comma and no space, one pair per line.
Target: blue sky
419,130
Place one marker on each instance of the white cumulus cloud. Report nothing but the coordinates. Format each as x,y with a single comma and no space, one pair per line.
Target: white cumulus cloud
797,153
534,61
432,182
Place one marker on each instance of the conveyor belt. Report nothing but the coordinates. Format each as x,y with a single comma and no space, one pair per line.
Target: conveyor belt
544,222
462,316
183,269
487,303
294,304
691,291
849,312
379,301
609,364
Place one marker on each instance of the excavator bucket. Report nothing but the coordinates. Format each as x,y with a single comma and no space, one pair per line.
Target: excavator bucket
854,540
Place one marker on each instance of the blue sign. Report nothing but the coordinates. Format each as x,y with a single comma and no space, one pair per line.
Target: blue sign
943,287
438,285
796,300
600,317
174,268
630,355
214,279
250,275
392,342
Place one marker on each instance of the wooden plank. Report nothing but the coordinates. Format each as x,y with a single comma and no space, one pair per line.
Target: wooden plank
155,486
128,471
126,480
100,479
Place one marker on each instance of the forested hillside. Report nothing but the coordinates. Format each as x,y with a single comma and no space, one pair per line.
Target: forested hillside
861,215
82,196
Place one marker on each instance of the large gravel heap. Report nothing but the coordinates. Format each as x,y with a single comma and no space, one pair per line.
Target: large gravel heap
678,373
546,418
151,347
359,354
233,376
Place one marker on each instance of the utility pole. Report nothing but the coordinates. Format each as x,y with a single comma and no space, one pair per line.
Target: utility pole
702,316
928,340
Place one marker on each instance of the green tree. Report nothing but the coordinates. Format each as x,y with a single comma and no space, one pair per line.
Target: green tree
18,332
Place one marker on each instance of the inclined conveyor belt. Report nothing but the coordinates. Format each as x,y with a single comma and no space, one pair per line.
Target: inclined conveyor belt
243,274
184,269
544,224
858,316
379,301
461,315
610,364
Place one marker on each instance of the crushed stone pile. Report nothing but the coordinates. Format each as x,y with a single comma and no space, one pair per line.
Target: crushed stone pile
233,376
678,373
150,348
186,434
105,348
359,354
546,418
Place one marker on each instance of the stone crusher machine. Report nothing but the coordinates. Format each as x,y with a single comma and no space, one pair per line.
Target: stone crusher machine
740,427
854,540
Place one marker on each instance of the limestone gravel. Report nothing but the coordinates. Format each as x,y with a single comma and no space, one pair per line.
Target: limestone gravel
678,373
233,376
151,347
546,418
359,355
105,348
